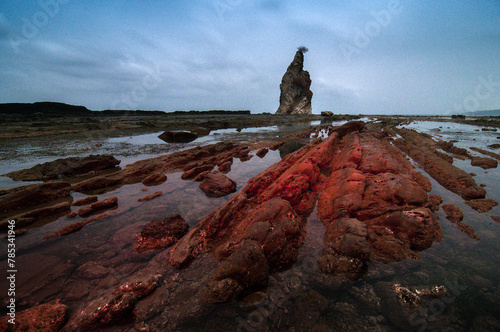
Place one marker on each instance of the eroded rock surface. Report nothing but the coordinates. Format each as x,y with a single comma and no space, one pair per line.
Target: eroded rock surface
16,199
62,168
216,184
370,198
163,233
48,317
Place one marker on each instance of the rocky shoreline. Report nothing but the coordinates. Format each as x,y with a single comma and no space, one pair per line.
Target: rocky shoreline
359,180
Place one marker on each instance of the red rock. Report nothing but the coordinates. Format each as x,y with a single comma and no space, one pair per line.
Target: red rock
160,234
276,146
95,183
225,167
275,226
496,218
484,163
422,149
482,205
48,317
247,267
216,184
150,197
453,212
72,228
85,201
106,204
17,198
467,230
111,307
192,173
346,248
262,152
154,179
434,202
84,211
347,128
54,210
399,235
72,215
67,167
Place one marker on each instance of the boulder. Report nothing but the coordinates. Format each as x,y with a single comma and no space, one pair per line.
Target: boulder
159,234
216,184
62,168
178,136
326,113
453,212
484,163
296,96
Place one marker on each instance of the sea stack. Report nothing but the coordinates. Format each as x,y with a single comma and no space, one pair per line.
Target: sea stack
295,86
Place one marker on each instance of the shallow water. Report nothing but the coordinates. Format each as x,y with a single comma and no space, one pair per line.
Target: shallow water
48,269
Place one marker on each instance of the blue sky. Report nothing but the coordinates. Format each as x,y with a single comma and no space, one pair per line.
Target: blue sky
370,57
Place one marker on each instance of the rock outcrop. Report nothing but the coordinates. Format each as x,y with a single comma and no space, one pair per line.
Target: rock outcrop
62,168
296,94
370,199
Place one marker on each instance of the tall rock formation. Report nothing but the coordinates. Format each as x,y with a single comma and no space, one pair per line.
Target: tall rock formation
295,86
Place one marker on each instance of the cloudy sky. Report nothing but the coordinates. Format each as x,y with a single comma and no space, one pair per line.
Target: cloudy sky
371,57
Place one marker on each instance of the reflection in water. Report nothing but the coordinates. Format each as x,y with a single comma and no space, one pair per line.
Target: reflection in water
85,265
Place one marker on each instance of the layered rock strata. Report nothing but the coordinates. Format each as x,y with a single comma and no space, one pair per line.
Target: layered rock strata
369,197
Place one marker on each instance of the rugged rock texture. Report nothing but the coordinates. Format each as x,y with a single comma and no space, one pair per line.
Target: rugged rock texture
453,212
108,203
62,168
370,201
154,179
482,205
246,268
85,201
484,163
160,234
295,97
16,199
48,317
193,162
112,307
424,151
72,228
216,184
